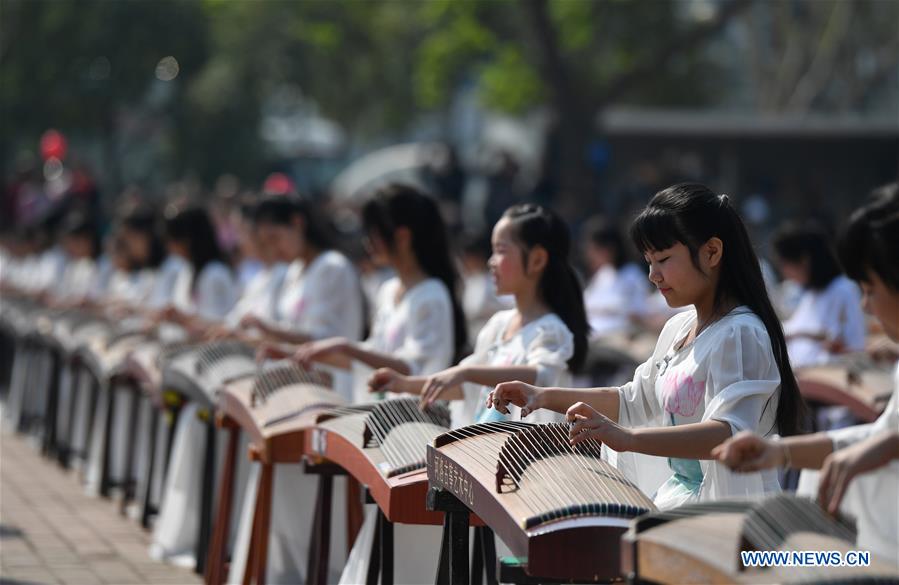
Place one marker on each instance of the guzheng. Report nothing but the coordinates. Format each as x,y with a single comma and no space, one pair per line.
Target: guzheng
864,390
383,446
275,408
562,508
199,371
702,543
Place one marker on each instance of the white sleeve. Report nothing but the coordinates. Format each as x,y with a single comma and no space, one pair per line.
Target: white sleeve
742,378
328,300
638,404
550,351
215,293
428,346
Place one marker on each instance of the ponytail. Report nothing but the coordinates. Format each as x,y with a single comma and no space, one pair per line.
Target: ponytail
404,206
692,214
559,286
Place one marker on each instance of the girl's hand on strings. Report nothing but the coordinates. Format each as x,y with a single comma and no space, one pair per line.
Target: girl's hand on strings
747,452
385,380
586,424
524,396
251,322
439,383
314,351
840,467
268,351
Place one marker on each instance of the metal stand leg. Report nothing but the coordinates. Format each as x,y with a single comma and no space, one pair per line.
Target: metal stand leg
206,493
453,566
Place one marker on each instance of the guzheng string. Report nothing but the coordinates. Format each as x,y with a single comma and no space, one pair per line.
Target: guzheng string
400,428
579,477
281,376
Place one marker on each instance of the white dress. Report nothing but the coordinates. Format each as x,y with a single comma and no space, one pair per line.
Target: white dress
260,295
835,313
323,299
613,297
419,330
728,374
176,530
872,498
545,343
167,277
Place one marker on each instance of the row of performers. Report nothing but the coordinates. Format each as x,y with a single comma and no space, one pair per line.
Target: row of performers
711,415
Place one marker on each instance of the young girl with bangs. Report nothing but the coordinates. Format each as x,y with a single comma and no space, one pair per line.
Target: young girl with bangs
539,341
417,328
717,369
859,465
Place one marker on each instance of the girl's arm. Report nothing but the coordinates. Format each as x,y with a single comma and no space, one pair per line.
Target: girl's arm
447,384
340,353
689,441
530,398
749,452
273,333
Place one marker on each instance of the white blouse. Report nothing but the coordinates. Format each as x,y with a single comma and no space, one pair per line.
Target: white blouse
173,272
728,374
835,313
546,343
212,295
77,280
613,297
323,299
417,328
260,295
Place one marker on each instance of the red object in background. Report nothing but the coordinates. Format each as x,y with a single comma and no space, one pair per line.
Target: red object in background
53,145
278,184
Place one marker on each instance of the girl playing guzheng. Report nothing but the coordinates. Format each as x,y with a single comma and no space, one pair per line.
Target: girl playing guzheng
418,328
320,297
717,369
537,341
859,465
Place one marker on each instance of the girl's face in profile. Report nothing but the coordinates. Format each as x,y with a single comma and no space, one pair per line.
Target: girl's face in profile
506,264
672,271
795,271
882,302
377,249
283,241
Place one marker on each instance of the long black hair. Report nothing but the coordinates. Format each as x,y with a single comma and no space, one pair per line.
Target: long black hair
870,242
193,226
692,214
280,210
797,241
560,288
398,206
605,234
79,224
143,219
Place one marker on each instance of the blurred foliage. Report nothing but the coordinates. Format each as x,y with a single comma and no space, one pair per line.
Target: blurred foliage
375,66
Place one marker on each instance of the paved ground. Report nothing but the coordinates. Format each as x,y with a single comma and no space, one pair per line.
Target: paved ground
51,532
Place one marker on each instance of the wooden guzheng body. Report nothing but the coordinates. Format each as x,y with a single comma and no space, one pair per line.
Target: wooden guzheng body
562,508
701,543
199,371
863,389
383,446
276,407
